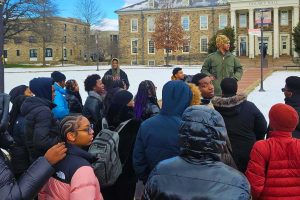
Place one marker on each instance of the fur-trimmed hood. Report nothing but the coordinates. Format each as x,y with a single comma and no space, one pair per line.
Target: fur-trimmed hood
229,106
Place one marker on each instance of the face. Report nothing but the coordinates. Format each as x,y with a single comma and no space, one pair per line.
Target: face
62,83
28,92
53,93
179,75
287,92
76,87
99,87
83,136
206,88
131,104
225,47
115,64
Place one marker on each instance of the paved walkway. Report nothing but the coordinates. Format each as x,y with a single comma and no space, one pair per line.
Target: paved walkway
251,78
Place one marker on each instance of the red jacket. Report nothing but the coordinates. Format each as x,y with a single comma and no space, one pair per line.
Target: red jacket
274,168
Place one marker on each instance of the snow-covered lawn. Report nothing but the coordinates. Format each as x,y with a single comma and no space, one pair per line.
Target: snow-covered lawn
136,74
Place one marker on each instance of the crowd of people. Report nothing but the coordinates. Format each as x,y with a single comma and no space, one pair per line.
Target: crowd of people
198,143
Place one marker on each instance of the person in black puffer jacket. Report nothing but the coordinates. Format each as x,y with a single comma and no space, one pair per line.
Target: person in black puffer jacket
145,102
41,129
245,123
93,106
292,98
73,97
198,172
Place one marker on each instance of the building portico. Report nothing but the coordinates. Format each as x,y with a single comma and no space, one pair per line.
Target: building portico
277,36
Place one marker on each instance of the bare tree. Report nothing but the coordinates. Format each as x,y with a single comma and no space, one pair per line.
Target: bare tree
41,13
168,32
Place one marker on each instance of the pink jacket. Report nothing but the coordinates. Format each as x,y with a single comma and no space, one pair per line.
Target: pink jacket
84,186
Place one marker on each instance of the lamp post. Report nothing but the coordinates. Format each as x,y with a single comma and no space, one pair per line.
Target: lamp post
2,2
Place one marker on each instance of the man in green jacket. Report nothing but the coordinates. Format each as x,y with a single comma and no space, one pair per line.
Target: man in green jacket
222,64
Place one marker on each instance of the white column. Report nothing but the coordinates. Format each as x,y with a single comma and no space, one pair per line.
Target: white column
276,33
233,25
295,19
251,37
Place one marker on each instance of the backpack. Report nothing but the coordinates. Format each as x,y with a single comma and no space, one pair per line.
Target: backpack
107,166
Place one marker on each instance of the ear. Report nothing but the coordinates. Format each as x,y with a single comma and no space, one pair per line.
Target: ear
71,137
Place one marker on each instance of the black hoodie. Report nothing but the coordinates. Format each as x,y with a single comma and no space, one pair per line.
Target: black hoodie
294,101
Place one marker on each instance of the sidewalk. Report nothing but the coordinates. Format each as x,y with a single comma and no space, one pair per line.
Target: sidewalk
251,78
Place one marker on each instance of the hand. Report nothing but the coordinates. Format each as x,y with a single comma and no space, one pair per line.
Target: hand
56,153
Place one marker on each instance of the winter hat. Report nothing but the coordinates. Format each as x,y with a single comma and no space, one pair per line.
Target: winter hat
293,83
176,70
221,40
122,97
283,118
229,87
58,76
17,91
42,87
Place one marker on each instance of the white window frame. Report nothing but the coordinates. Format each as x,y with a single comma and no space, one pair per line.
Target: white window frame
186,52
151,3
149,47
48,51
286,23
240,24
203,37
131,46
200,22
137,25
149,19
188,20
226,24
151,61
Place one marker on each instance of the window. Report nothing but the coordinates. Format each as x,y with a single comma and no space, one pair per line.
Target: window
134,46
71,52
204,22
151,3
65,39
185,22
203,44
17,40
75,28
151,48
150,24
32,39
167,50
243,21
65,27
284,18
5,53
186,2
48,52
151,62
48,38
33,53
186,46
222,21
65,53
84,30
134,25
18,52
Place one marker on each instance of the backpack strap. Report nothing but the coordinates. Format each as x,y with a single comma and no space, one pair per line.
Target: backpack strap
122,125
104,123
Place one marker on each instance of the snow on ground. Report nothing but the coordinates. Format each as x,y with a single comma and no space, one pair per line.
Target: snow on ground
136,74
159,76
273,84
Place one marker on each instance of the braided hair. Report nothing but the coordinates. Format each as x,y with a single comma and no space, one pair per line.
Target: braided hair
69,124
146,89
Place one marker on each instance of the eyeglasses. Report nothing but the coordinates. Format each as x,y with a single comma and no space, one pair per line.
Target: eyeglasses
285,90
90,129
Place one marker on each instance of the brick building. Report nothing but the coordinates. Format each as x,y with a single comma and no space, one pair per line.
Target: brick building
66,40
200,20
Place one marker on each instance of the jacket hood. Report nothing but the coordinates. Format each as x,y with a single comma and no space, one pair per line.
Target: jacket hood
229,106
202,134
59,89
176,97
42,87
31,103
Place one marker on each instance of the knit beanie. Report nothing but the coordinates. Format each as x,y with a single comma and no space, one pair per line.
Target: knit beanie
42,87
58,76
229,87
293,83
176,70
17,91
221,40
122,97
283,118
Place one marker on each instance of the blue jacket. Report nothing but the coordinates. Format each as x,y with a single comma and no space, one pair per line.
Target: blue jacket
62,109
158,137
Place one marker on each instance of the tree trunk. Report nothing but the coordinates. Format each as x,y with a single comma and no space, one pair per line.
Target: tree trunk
44,52
167,59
